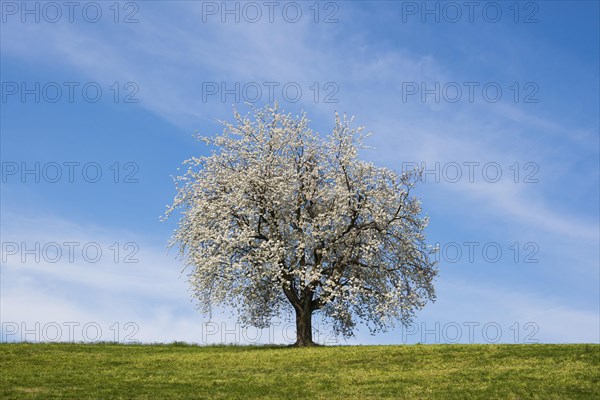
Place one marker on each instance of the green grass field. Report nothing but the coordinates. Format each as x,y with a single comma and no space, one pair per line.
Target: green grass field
109,371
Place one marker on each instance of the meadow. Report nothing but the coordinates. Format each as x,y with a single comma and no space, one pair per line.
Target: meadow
179,371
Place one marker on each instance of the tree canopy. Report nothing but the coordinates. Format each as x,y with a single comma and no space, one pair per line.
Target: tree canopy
279,218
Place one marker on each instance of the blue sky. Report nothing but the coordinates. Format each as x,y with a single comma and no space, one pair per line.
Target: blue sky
374,59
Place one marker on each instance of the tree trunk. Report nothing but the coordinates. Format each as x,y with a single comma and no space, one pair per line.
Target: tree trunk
304,307
304,328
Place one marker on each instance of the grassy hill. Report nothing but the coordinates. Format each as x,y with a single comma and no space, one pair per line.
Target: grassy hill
103,371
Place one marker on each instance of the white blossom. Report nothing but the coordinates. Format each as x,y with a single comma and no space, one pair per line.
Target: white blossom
279,218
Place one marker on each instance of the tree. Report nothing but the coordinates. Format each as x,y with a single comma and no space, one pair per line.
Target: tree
278,218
